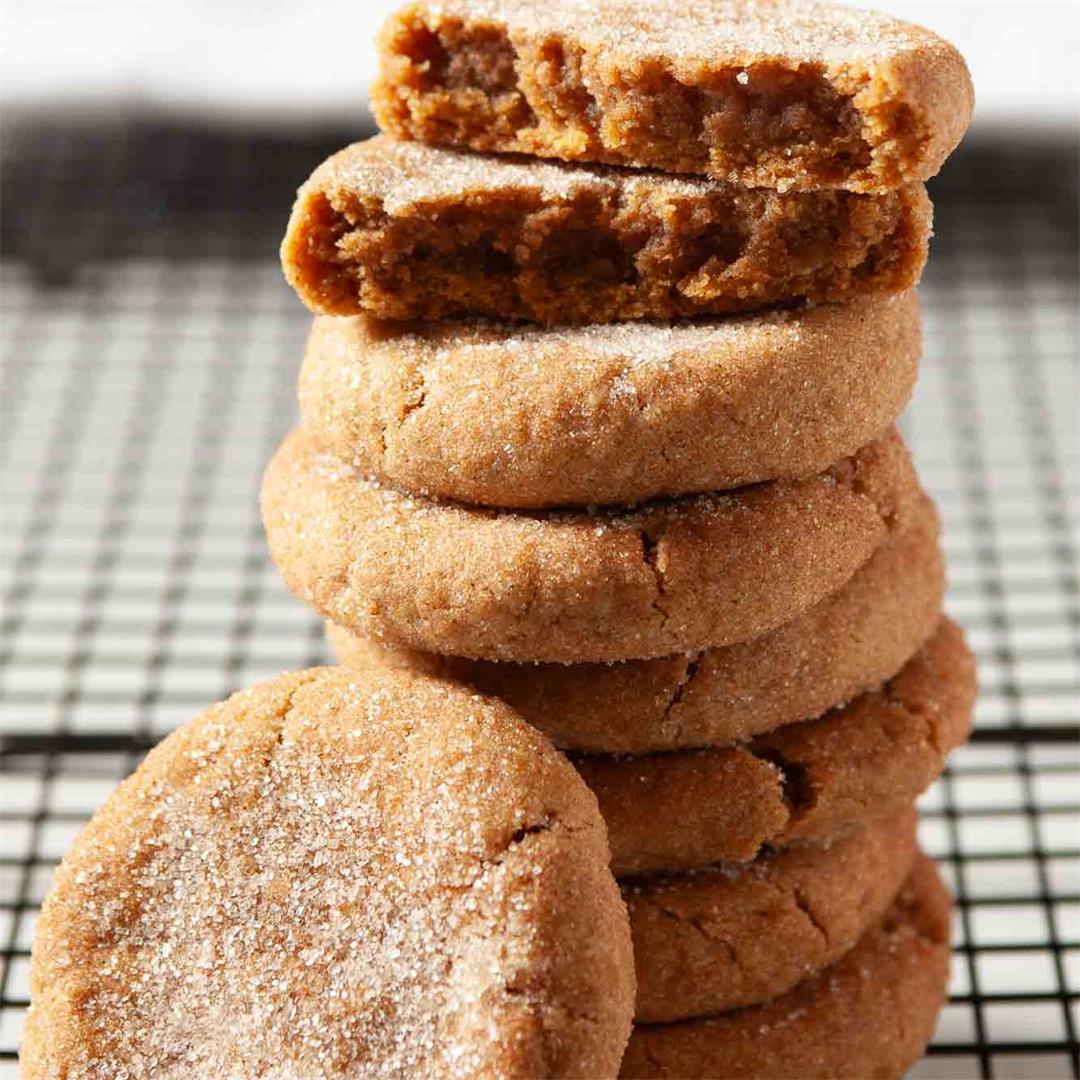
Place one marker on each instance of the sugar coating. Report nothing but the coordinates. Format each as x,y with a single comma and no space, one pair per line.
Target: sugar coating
668,577
519,416
725,938
871,1013
635,343
337,875
803,783
718,31
846,644
403,175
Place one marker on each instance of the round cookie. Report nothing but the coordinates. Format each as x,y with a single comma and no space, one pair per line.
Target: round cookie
728,937
665,578
804,782
333,874
849,642
524,416
871,1014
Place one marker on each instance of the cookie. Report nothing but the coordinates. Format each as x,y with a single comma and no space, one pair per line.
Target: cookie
786,94
664,578
849,642
529,417
729,937
337,874
401,230
869,1015
805,782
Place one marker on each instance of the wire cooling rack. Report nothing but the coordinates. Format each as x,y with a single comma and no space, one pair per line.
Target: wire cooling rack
149,356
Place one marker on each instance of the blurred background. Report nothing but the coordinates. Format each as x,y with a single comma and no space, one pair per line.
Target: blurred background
149,152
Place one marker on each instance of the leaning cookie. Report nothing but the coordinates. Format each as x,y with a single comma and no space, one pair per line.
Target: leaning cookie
846,644
400,230
786,94
529,417
806,782
334,874
871,1014
731,936
667,577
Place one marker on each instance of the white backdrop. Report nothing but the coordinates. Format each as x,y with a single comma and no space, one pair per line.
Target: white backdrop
314,58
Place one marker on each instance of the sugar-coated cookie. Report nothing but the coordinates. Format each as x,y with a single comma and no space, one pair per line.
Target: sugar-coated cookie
668,577
848,643
337,874
869,1015
767,93
804,782
401,230
732,936
534,417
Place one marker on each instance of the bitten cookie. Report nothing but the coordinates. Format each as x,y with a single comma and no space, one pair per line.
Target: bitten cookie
337,874
805,782
729,937
665,578
608,414
848,643
786,94
400,230
869,1015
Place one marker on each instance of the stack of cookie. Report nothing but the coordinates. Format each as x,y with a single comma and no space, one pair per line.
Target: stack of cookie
616,445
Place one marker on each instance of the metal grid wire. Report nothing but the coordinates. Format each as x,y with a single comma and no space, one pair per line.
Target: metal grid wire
149,355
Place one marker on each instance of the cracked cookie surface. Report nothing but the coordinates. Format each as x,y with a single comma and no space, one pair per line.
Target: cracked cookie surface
732,936
785,94
668,577
870,1014
400,230
519,416
338,875
848,643
806,782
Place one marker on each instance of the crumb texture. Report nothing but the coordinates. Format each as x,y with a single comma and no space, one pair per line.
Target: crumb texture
510,415
337,875
783,94
668,577
401,230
